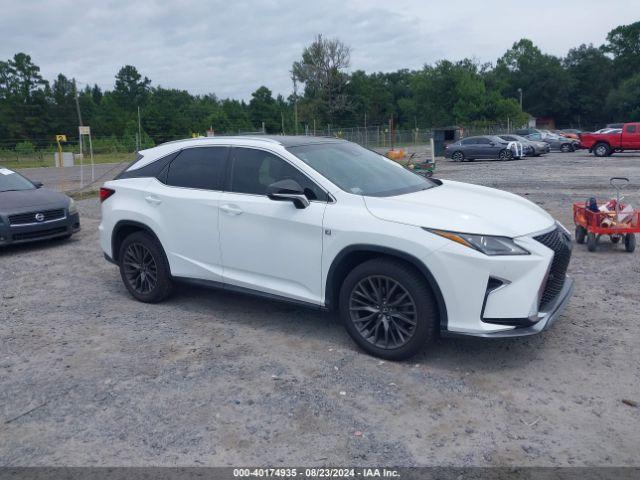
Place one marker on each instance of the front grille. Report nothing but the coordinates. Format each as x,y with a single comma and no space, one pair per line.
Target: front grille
30,217
560,243
39,234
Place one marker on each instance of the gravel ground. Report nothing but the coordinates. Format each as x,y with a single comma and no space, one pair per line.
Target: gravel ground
88,376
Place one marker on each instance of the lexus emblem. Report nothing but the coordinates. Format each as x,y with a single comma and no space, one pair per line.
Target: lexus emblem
39,217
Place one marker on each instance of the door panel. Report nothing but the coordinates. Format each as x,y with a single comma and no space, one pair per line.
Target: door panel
187,204
190,238
269,245
272,246
631,136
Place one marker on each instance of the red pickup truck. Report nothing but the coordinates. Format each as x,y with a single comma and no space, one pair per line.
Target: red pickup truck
604,144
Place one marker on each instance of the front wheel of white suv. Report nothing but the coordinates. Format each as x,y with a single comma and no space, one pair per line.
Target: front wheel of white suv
144,269
388,308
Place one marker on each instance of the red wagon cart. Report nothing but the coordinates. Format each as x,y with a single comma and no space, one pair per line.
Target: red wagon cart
591,224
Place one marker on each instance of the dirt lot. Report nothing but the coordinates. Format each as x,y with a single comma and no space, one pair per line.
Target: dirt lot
88,376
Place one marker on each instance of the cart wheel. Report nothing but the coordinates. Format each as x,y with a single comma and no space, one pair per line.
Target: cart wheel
629,242
581,234
615,238
592,242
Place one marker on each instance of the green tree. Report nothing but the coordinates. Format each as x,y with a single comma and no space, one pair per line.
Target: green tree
623,103
263,108
322,71
591,79
623,43
131,89
544,82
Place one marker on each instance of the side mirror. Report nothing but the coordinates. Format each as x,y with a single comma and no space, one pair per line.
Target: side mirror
38,184
493,144
288,191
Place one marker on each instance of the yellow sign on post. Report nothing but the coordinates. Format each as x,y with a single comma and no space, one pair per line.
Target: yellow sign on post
60,138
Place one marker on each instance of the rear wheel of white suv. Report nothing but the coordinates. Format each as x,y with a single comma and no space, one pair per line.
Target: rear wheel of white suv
388,308
144,269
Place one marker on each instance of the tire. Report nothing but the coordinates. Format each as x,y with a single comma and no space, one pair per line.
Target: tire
630,242
581,234
457,156
138,249
382,329
601,150
566,147
592,242
505,154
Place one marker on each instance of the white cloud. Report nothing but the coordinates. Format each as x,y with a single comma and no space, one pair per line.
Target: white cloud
231,48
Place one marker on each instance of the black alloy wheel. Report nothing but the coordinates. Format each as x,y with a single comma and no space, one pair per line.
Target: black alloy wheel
383,311
388,308
144,268
140,268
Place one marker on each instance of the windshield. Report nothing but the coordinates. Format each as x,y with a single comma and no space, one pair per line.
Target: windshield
360,171
11,181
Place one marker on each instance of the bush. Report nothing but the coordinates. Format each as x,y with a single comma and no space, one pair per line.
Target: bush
109,145
25,148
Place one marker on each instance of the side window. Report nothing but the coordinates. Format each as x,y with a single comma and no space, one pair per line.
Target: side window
631,129
253,170
199,167
469,141
483,141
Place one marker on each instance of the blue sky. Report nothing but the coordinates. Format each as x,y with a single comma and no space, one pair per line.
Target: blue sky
230,48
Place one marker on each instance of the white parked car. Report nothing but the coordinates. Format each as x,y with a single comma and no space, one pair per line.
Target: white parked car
329,224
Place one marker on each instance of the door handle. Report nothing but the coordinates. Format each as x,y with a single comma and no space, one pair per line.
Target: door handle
153,200
231,209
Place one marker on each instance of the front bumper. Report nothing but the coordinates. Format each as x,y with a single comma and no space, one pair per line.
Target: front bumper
18,234
544,319
511,295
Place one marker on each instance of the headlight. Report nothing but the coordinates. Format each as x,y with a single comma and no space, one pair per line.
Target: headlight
72,207
487,244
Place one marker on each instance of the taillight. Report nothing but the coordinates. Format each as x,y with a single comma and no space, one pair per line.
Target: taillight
105,193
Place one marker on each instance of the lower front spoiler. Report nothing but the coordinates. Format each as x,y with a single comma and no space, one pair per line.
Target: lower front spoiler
546,319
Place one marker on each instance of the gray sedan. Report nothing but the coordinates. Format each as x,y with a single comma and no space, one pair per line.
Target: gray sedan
481,147
29,212
556,142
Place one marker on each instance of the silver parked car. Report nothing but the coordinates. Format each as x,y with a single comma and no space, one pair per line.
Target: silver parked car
556,142
531,147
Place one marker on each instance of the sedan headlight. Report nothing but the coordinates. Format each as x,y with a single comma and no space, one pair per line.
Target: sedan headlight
72,207
487,244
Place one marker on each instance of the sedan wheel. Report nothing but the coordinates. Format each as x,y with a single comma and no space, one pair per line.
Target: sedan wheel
505,154
566,147
457,157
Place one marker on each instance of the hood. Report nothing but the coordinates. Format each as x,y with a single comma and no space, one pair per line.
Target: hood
41,197
462,207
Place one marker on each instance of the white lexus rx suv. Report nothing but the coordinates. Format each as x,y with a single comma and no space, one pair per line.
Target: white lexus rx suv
326,223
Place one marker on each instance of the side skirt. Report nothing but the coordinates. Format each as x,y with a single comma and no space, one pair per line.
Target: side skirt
247,291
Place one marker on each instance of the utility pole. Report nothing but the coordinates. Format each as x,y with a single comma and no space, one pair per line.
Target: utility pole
139,130
282,120
520,92
75,94
295,102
